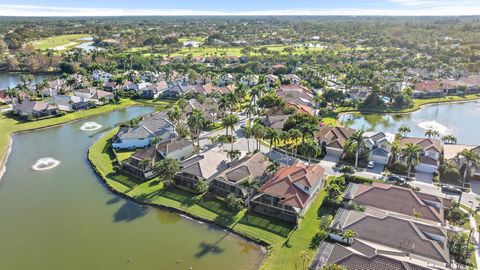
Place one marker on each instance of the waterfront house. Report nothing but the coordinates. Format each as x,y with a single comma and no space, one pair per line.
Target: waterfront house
99,96
332,139
361,255
399,201
428,89
429,159
235,180
73,103
378,145
202,167
288,194
142,162
209,108
153,126
451,153
35,109
154,90
393,235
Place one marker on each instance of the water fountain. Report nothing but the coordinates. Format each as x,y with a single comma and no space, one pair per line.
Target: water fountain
90,126
45,163
434,125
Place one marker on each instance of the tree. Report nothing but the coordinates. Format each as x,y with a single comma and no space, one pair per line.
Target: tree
347,170
258,133
233,203
294,134
449,139
307,129
200,187
403,130
432,133
348,235
272,167
305,259
459,246
411,155
167,168
274,136
310,150
247,133
359,140
228,122
174,115
233,154
196,122
471,159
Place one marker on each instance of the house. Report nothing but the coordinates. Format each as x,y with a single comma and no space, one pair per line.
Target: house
362,256
378,145
226,79
249,80
250,170
333,139
153,126
34,109
399,201
226,89
209,108
100,75
393,235
287,195
428,88
291,79
73,103
432,148
451,153
295,88
276,121
142,162
205,89
176,90
271,78
154,90
202,167
99,96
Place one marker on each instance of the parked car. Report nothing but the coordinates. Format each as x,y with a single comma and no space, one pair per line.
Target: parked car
371,164
397,179
451,189
242,125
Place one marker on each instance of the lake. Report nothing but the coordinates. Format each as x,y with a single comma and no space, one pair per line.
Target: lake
459,119
12,79
64,218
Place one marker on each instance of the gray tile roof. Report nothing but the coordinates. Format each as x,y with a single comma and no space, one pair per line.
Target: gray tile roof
151,126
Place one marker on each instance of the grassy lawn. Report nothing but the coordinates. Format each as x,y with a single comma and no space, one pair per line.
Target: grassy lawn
61,42
10,125
476,216
285,244
329,121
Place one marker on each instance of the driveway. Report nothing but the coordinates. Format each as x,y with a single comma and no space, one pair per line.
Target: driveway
374,173
328,163
423,177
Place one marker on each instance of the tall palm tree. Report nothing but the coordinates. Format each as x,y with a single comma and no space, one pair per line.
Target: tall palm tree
307,130
174,115
250,110
283,136
305,259
359,140
394,151
247,133
449,139
411,155
258,134
311,150
471,159
274,136
432,133
196,121
294,134
229,122
403,130
11,93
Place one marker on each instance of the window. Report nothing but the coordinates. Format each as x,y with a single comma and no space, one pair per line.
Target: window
306,188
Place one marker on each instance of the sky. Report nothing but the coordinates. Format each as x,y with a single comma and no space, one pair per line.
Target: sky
244,7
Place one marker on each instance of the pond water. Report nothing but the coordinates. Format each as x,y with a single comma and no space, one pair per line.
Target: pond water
459,119
64,218
12,79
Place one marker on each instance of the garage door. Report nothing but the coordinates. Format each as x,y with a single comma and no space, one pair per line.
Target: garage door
426,168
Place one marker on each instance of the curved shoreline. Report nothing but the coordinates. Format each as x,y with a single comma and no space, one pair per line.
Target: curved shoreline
423,106
4,157
263,245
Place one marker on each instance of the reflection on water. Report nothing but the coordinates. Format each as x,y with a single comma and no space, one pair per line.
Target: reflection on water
167,218
460,119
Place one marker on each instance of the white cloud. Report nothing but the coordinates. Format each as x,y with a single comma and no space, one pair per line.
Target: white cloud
409,8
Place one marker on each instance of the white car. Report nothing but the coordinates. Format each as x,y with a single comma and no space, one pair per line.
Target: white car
371,164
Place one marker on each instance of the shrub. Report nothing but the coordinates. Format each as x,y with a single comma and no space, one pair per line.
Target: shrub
233,203
358,179
399,167
200,186
318,238
456,216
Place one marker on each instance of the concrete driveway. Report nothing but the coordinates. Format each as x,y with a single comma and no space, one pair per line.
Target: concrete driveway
374,173
423,177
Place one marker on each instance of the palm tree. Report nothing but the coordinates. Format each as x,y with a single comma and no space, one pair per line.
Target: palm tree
348,235
258,134
247,133
305,258
471,159
274,136
174,115
229,122
311,150
359,140
11,93
411,155
233,154
283,136
449,139
307,130
394,151
272,167
403,130
196,121
294,134
432,133
250,110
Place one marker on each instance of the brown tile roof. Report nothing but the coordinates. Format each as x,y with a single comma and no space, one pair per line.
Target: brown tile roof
428,86
334,136
401,234
427,144
206,88
282,184
400,200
